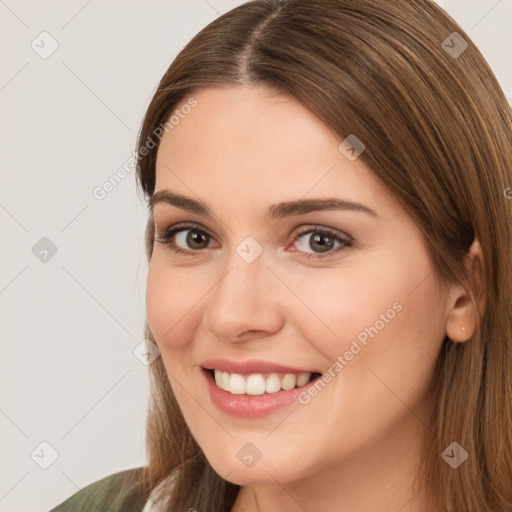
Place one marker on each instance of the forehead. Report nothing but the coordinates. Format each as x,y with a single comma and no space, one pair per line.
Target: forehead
246,144
251,121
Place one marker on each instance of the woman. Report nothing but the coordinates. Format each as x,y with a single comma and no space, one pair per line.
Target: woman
329,286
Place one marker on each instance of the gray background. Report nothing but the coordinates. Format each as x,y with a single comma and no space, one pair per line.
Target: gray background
71,319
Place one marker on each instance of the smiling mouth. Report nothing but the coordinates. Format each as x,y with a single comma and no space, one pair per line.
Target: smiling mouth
259,383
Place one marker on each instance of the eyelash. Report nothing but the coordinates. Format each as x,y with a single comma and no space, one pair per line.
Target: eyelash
167,238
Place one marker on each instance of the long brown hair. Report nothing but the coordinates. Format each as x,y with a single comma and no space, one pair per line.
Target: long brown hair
438,132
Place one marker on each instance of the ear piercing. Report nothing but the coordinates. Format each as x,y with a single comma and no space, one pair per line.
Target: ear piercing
463,328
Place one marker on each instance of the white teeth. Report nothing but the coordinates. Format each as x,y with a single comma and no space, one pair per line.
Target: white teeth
225,380
257,384
288,382
303,378
273,383
237,384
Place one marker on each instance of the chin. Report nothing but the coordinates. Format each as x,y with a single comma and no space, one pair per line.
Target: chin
266,470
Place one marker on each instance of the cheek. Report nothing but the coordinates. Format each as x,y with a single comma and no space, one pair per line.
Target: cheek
396,319
391,310
342,303
388,332
170,301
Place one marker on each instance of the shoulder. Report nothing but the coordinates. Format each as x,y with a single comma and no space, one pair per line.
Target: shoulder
114,493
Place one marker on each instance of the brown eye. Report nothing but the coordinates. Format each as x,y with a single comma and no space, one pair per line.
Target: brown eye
185,239
320,243
195,239
191,240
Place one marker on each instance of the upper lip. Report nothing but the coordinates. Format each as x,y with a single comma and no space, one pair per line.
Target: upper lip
250,366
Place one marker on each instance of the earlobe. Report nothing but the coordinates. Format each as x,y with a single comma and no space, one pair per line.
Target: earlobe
462,319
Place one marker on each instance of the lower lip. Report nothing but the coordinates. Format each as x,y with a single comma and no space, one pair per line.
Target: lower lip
251,406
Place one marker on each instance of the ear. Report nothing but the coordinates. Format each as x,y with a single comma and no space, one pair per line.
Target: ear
463,310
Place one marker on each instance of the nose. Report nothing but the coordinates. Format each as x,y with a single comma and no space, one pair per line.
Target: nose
244,303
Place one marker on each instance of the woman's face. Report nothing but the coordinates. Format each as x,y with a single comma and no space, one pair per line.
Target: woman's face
275,281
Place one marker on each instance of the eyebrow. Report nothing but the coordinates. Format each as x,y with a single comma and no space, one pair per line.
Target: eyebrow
276,211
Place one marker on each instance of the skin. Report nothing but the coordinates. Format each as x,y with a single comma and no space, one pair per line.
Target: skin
356,443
